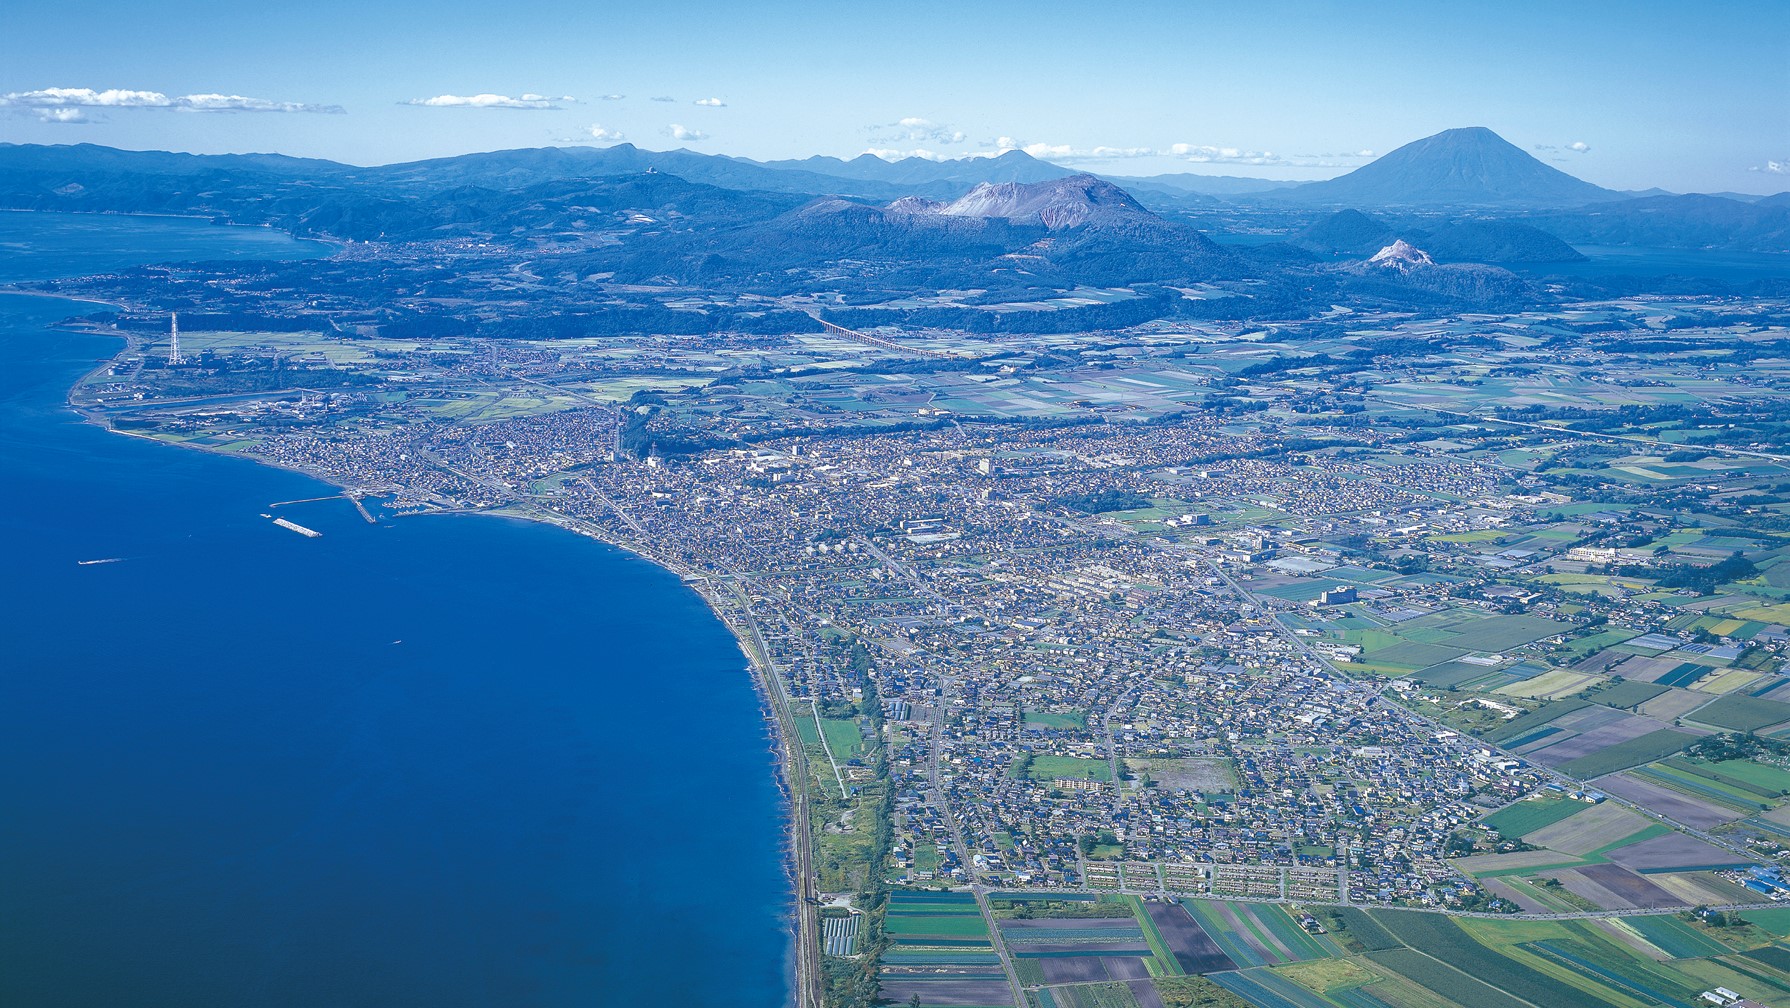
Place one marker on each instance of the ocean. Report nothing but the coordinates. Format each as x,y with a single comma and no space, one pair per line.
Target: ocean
443,761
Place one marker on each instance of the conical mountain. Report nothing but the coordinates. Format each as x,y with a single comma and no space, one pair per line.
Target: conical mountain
1457,167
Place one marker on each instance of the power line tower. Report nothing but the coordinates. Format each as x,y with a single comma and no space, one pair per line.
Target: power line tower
174,338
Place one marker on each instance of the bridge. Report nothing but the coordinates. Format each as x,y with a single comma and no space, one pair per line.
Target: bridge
877,341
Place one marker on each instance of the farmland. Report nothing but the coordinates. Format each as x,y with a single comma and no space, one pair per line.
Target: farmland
1413,958
940,951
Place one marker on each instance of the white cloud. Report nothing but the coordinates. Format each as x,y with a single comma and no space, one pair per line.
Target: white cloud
1195,153
1209,154
685,133
897,154
491,101
598,132
710,103
1773,167
663,98
1043,151
1579,146
63,115
79,98
614,97
914,129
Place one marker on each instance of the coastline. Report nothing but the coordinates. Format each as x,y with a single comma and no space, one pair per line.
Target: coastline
803,967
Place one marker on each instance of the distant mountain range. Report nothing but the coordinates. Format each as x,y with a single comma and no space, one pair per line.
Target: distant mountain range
1463,195
865,177
1470,167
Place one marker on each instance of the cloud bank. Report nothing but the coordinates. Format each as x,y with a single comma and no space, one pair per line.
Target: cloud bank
679,132
53,104
914,129
1576,147
1191,153
491,101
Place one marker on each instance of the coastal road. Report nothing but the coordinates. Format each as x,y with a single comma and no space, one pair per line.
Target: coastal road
808,983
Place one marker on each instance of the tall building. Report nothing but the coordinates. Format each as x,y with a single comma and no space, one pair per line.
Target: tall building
174,338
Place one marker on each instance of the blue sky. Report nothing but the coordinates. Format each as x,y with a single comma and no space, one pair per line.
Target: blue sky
1690,97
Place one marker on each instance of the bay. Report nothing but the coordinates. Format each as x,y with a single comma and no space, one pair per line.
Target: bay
451,760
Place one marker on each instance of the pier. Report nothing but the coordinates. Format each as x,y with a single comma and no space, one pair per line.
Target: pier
296,527
362,508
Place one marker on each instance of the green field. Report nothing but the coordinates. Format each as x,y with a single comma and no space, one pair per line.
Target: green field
1443,941
1532,814
935,925
1456,986
1674,937
1049,768
844,737
1072,721
1623,755
1740,713
1628,694
1534,719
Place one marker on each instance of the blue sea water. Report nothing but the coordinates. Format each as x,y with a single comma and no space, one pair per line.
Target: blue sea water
442,761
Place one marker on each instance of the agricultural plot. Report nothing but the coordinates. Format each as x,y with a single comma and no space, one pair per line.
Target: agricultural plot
1738,785
1590,829
1257,934
1193,950
1741,713
1673,937
1441,940
940,952
1673,704
1669,801
1085,950
948,990
1582,731
1554,685
1440,978
1674,852
1483,866
1425,960
1127,994
1542,716
1532,814
1267,989
1627,753
1613,887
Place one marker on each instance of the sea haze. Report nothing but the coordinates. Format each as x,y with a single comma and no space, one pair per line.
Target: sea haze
441,761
